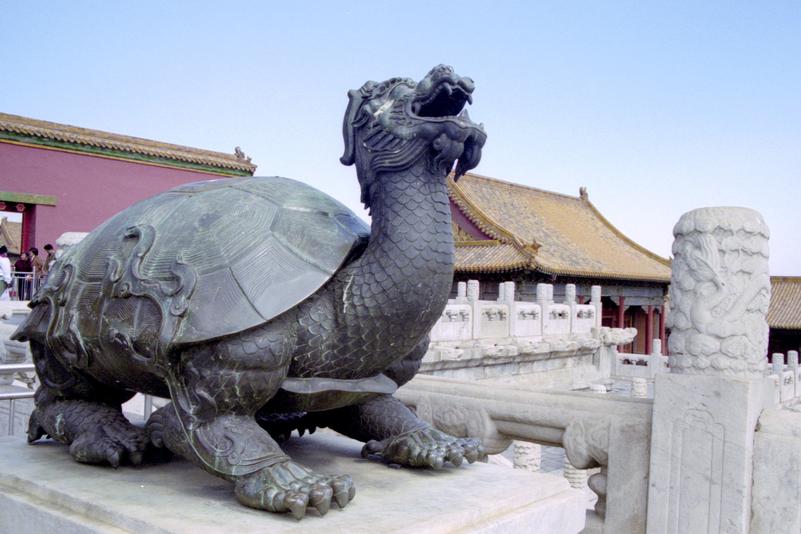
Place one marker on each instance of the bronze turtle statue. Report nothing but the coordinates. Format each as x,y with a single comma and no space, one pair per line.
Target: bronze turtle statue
262,303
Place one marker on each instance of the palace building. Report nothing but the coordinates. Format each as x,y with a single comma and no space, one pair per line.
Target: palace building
510,232
58,178
784,314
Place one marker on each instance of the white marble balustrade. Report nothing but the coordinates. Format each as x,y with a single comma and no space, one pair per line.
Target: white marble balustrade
786,377
466,318
630,365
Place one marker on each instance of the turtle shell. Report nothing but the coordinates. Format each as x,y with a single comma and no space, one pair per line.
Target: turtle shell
218,257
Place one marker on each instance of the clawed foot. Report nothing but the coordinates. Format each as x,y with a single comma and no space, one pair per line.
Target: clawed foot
289,487
111,444
96,434
426,447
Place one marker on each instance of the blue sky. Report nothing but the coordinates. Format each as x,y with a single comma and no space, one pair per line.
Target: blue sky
656,107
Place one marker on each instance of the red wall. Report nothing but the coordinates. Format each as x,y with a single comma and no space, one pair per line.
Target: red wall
88,189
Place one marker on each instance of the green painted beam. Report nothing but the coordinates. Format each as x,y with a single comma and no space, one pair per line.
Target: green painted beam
28,198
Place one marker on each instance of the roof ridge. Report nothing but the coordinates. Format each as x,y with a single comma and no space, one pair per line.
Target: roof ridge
460,195
18,124
523,186
780,278
482,219
624,237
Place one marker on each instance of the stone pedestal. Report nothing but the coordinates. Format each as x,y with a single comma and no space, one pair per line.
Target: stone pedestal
43,490
706,411
777,473
702,445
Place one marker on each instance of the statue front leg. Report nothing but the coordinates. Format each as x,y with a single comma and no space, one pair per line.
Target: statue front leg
393,432
78,411
216,391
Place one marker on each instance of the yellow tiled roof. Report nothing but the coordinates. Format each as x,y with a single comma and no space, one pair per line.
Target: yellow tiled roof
65,133
785,302
556,233
489,256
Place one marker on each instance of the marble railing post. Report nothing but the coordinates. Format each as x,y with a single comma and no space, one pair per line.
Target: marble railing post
706,408
461,292
613,361
655,358
639,388
792,363
777,362
595,300
777,375
542,300
656,347
471,291
509,292
509,300
472,299
570,300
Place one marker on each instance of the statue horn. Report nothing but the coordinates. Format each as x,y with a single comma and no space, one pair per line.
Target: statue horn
356,99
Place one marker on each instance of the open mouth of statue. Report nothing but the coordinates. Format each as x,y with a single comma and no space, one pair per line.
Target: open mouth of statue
447,99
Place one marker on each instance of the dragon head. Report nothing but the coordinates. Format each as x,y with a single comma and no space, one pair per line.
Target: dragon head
390,126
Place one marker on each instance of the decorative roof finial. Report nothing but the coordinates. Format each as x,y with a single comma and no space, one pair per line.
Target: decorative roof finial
241,155
583,193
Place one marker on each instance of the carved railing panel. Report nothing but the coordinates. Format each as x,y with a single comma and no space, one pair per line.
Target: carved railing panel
609,432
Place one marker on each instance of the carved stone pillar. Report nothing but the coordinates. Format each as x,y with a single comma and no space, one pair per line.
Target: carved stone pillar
528,456
719,293
706,408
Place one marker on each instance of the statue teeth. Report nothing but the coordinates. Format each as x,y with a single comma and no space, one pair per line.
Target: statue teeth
470,99
464,115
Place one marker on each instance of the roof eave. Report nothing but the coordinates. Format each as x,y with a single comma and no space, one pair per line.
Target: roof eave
32,132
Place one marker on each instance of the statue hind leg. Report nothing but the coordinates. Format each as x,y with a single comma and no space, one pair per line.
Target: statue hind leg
393,432
216,389
75,410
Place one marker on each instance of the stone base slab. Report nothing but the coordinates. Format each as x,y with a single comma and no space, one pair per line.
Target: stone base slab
43,490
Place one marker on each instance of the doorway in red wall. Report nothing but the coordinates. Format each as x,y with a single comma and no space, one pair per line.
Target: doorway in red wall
11,223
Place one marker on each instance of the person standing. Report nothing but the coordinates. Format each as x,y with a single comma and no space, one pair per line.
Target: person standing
24,278
51,257
23,264
5,274
37,263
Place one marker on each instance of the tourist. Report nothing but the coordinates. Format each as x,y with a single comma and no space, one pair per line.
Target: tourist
23,264
22,271
37,263
5,274
51,257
